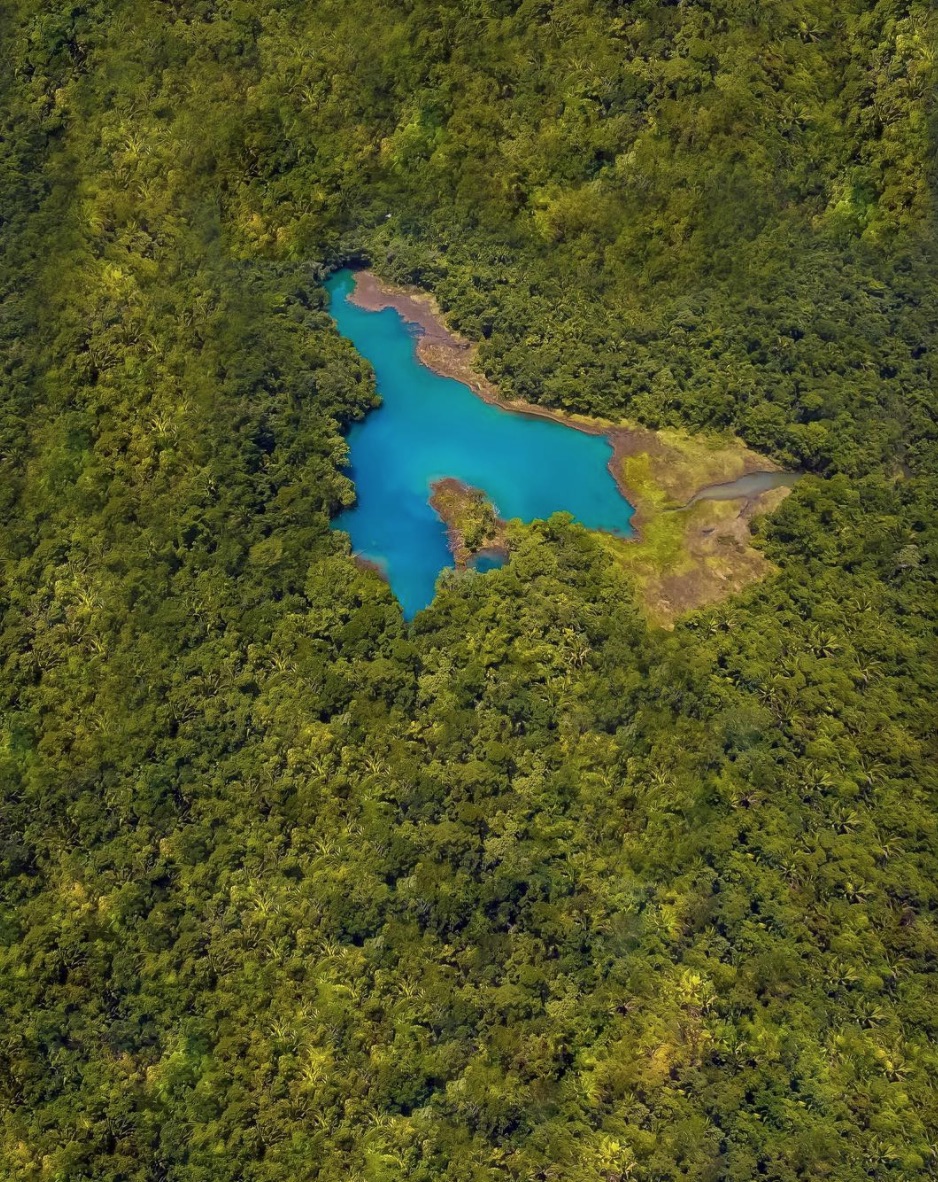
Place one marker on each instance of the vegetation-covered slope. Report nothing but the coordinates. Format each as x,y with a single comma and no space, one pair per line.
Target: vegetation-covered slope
531,889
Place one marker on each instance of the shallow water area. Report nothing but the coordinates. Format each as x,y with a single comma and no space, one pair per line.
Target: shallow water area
747,486
430,427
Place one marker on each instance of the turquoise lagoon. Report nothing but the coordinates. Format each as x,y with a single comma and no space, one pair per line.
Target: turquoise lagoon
429,427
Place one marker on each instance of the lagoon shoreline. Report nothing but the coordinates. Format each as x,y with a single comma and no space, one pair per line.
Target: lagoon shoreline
460,506
446,352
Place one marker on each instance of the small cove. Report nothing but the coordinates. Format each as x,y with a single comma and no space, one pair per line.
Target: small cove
487,560
430,427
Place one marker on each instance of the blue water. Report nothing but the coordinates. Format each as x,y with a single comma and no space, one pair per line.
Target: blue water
429,427
487,560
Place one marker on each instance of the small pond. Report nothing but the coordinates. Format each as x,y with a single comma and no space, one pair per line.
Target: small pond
747,486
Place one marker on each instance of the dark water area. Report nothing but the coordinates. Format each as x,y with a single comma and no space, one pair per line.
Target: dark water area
430,427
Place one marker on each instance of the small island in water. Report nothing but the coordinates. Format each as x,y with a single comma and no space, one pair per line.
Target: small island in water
445,462
475,532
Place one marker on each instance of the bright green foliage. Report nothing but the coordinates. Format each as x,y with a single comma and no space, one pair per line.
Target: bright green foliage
530,889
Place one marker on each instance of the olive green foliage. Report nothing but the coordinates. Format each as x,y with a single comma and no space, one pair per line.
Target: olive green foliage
529,889
471,521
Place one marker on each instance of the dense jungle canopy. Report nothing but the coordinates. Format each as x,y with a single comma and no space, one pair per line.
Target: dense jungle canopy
531,888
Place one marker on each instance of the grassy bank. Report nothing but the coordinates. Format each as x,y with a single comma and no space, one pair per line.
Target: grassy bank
684,558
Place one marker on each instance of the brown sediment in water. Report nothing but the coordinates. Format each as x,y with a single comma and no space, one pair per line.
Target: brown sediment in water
655,471
369,564
416,307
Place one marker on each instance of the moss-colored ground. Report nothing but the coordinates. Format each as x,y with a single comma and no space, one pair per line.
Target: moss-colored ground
683,558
